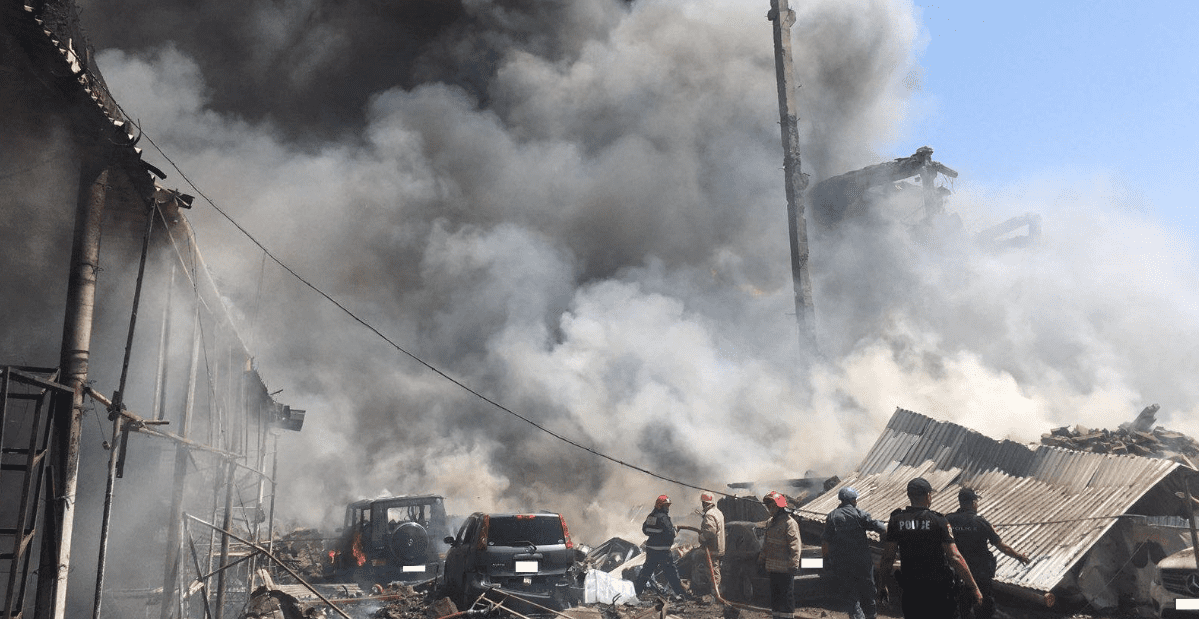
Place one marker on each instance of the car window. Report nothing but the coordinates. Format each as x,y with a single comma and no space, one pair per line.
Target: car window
408,513
467,531
521,530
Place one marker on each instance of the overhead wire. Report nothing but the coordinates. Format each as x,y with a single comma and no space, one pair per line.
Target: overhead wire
268,254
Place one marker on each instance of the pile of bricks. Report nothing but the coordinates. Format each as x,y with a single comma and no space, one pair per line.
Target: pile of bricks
1138,438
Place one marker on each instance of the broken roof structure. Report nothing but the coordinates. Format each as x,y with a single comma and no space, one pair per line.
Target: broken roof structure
1056,505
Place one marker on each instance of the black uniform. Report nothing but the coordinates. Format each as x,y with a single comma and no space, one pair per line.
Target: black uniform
925,575
660,532
973,534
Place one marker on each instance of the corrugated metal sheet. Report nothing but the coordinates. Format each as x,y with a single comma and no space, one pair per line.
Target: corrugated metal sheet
1051,503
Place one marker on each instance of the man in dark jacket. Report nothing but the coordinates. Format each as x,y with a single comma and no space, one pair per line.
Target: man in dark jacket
660,533
925,543
847,555
973,533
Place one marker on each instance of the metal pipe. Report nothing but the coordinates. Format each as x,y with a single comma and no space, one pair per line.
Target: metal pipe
226,524
106,520
164,335
68,414
275,560
138,424
196,561
270,519
170,576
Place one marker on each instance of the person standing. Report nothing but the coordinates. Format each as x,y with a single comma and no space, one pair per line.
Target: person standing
780,556
705,577
847,557
973,534
924,541
660,533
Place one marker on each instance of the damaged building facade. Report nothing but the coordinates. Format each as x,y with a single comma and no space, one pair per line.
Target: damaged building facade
1094,524
127,395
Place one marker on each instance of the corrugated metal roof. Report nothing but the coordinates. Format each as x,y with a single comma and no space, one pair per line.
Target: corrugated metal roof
1051,503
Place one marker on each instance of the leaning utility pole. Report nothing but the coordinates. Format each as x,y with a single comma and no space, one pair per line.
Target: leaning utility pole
796,181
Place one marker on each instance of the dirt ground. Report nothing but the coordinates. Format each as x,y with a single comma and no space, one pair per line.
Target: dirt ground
421,607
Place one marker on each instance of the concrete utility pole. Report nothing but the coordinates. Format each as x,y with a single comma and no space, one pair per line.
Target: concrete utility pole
796,181
68,414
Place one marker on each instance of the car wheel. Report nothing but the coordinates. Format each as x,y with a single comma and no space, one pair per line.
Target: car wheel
408,543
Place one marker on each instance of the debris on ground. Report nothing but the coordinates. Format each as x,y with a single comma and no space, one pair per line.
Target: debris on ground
266,603
611,554
303,550
1139,438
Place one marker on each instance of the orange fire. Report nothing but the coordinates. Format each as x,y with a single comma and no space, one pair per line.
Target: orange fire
359,556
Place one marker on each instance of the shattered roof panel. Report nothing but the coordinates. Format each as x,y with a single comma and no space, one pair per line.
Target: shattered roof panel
1051,503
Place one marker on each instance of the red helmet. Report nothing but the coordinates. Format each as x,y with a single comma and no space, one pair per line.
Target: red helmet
775,498
707,498
662,501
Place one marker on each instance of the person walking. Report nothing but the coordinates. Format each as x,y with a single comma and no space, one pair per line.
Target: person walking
973,534
660,533
780,555
847,557
924,541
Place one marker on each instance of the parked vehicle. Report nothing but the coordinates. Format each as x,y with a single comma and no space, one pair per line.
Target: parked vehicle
523,556
1175,586
390,539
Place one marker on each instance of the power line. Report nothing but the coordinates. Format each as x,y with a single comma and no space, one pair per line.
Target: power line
435,370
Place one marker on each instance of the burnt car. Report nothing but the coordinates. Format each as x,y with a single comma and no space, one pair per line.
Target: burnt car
528,557
1175,587
391,539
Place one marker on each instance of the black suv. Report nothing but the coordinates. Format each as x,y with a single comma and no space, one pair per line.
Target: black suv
396,538
529,555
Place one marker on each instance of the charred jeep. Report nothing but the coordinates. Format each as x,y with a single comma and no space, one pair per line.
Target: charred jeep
390,539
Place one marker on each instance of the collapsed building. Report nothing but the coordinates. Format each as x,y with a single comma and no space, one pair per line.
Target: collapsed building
886,191
1094,524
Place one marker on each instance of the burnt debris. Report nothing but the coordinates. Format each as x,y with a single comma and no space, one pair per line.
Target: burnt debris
1138,438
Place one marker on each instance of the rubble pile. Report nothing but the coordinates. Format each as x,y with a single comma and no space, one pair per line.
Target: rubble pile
266,603
304,551
404,602
1138,437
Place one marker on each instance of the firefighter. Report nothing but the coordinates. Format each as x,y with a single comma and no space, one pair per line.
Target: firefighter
660,533
973,533
847,555
924,540
705,576
780,555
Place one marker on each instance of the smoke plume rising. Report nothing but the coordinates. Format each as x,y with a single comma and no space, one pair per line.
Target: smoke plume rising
577,209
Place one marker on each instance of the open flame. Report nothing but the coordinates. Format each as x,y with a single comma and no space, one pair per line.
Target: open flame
359,556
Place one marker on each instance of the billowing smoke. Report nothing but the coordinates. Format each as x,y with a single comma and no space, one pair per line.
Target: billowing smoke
577,209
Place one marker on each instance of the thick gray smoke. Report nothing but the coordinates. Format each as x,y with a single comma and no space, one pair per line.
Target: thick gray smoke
577,209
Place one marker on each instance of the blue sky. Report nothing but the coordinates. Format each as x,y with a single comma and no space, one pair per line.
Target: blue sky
1084,92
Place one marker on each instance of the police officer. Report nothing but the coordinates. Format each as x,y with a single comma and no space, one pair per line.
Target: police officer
973,533
660,533
924,540
847,555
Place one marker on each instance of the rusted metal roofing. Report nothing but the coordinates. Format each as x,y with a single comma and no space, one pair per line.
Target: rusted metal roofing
1051,503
